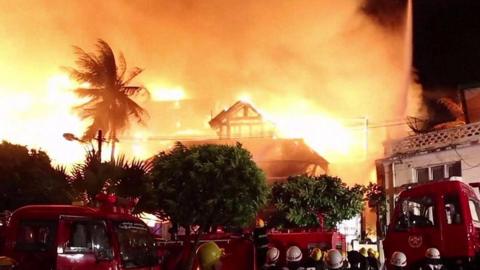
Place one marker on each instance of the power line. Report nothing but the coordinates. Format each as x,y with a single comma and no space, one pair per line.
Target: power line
466,162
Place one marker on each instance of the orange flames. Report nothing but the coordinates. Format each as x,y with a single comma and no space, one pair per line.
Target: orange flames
317,74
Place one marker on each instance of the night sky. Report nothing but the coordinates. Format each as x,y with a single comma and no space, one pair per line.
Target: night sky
446,52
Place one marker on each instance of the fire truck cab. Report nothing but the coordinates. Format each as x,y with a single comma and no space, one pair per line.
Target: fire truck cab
441,214
78,237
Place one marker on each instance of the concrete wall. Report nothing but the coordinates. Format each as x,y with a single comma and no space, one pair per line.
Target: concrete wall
404,168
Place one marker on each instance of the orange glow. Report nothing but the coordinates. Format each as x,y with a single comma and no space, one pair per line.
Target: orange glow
40,120
163,93
315,73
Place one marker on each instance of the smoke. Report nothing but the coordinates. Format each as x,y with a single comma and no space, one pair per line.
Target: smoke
344,59
388,13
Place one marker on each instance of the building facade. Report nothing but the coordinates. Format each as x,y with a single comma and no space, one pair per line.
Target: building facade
436,155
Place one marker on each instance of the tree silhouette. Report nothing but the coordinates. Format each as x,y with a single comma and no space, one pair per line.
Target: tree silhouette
110,105
27,177
129,179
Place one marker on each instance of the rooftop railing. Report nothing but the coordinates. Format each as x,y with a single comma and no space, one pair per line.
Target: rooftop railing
436,139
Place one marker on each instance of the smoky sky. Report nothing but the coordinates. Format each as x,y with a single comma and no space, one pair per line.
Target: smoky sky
446,48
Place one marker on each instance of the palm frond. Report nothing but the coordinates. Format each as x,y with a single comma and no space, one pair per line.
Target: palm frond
89,92
131,75
136,110
107,60
90,68
122,67
134,90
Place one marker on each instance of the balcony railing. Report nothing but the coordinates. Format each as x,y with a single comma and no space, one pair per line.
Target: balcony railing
436,139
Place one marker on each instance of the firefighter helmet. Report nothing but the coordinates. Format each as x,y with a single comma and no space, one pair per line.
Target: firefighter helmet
363,251
294,254
316,254
6,261
209,254
398,259
260,223
333,259
432,253
273,254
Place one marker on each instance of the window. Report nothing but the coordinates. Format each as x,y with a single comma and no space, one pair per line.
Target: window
452,209
36,235
474,210
455,169
422,175
416,212
438,172
89,236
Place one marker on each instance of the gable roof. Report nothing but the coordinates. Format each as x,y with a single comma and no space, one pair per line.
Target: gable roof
230,112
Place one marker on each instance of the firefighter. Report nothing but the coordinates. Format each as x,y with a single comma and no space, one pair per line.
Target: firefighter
315,260
334,260
398,261
272,259
209,255
261,242
354,258
364,263
373,262
294,257
432,260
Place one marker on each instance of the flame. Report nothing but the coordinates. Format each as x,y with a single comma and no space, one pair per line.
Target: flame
39,121
165,93
336,139
309,76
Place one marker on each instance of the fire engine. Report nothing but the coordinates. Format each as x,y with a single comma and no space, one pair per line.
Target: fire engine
79,237
240,251
442,214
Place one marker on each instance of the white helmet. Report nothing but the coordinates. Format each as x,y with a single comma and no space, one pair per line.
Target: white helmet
333,259
294,254
432,253
273,254
398,259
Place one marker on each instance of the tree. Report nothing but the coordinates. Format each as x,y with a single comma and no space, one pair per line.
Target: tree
205,186
377,199
304,201
28,177
124,178
110,105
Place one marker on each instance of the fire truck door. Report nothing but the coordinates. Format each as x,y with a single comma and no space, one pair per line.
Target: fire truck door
454,230
83,243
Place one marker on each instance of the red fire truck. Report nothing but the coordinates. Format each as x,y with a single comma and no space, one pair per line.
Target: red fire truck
78,237
441,214
240,250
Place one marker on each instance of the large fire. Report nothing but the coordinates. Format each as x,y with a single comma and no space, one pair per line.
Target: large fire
324,78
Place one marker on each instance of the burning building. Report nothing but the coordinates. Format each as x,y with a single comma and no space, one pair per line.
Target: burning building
277,157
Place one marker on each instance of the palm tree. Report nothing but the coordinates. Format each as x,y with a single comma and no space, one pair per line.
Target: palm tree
110,105
129,179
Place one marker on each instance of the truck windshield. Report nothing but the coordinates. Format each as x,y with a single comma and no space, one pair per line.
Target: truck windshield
416,212
136,244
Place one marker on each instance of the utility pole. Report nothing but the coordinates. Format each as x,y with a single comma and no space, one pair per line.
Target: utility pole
99,141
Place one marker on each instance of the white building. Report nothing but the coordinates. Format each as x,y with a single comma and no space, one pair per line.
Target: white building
431,156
